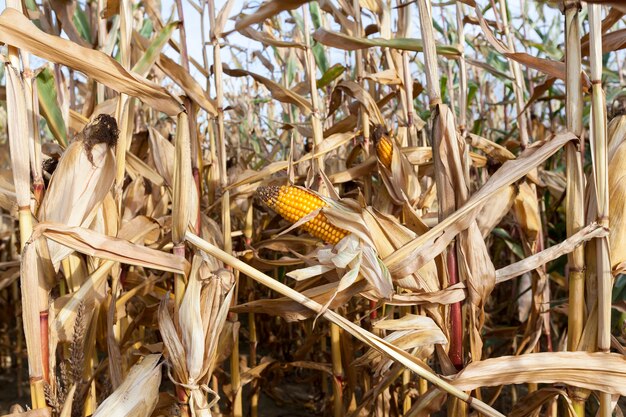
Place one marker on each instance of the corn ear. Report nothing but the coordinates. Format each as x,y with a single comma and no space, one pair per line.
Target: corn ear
384,146
293,203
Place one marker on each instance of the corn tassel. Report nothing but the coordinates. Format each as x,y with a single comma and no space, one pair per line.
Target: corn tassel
293,203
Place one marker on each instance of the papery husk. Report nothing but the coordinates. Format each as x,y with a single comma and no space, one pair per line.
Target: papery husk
491,214
494,150
66,201
616,131
192,345
605,372
401,178
526,211
390,235
617,201
138,394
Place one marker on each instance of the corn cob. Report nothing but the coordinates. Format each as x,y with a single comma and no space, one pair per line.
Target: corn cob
293,203
384,147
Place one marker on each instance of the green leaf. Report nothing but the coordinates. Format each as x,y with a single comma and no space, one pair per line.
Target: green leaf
49,107
82,23
351,43
32,7
151,54
315,14
330,75
320,57
146,28
291,70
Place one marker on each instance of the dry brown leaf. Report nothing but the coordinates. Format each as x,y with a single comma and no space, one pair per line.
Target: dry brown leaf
426,247
277,91
267,10
18,31
267,39
106,247
605,372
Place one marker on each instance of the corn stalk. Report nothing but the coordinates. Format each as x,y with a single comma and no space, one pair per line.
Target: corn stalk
600,164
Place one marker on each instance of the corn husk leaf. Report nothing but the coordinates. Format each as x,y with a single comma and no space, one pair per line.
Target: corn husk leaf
605,372
267,10
111,248
66,201
138,394
617,202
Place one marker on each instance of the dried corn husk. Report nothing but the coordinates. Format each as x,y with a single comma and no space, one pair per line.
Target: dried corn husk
192,345
604,372
138,394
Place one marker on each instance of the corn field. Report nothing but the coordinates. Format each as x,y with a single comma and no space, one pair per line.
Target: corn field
312,208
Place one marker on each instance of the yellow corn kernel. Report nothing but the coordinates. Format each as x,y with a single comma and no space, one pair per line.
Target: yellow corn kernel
293,203
384,147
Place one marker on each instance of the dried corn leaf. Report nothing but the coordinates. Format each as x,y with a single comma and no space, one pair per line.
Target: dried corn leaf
106,247
17,30
426,247
352,43
181,77
530,404
267,39
267,10
535,261
277,91
605,372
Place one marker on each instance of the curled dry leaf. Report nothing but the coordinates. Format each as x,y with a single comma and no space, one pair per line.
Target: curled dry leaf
267,10
192,345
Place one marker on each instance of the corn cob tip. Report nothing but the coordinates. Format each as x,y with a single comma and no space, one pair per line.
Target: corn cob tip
379,132
268,194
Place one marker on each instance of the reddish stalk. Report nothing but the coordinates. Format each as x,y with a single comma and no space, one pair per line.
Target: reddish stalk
456,319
